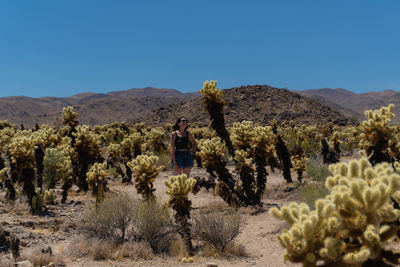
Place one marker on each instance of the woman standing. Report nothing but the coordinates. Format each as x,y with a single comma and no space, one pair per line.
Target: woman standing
182,146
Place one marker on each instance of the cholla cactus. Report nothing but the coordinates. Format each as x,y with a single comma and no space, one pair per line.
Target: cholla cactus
242,135
96,179
178,189
88,150
335,142
352,225
378,138
212,99
155,140
70,117
145,171
38,201
212,154
246,172
22,157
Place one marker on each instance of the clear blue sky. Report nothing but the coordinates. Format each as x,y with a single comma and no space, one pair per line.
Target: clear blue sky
65,47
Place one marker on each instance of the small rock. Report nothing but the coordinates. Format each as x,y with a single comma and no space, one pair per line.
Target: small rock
23,264
211,264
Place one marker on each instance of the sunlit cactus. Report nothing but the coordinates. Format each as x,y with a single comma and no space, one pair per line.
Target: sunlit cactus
70,117
377,134
178,189
144,169
212,155
23,159
352,225
155,140
88,150
214,105
96,179
242,135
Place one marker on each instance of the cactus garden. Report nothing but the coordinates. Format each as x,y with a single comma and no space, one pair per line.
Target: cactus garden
278,193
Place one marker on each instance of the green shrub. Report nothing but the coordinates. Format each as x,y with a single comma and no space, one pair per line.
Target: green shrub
309,193
153,224
317,170
217,227
111,219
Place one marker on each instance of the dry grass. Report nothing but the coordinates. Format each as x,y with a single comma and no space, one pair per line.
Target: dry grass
178,249
102,250
38,258
136,250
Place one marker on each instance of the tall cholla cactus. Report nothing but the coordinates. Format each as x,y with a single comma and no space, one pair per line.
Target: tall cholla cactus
88,150
145,170
212,155
378,138
70,117
178,189
21,149
352,225
212,99
246,172
96,178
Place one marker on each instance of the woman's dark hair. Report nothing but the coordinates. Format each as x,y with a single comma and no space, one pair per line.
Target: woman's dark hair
176,126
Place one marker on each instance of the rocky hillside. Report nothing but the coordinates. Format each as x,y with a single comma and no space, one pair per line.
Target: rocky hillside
93,108
259,103
346,101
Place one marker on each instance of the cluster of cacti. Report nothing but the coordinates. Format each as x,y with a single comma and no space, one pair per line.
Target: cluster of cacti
144,169
378,138
178,189
155,140
96,179
352,225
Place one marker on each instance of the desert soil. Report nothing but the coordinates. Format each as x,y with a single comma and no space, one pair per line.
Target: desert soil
59,228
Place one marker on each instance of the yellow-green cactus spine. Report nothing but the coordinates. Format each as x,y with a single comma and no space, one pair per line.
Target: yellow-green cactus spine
350,226
145,170
96,178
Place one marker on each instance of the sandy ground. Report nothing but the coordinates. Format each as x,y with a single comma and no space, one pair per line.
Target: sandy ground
258,235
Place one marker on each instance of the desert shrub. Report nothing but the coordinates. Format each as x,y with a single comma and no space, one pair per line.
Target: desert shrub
153,224
119,218
317,170
111,218
217,228
309,193
136,250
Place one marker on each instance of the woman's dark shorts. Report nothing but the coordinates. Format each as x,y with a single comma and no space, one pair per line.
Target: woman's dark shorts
183,159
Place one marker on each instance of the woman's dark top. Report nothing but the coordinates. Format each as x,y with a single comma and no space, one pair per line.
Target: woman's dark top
182,142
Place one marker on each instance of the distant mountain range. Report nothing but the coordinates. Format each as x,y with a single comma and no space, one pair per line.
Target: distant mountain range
259,103
352,104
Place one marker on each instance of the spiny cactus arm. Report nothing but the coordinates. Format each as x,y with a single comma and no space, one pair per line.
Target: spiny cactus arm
70,117
145,168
